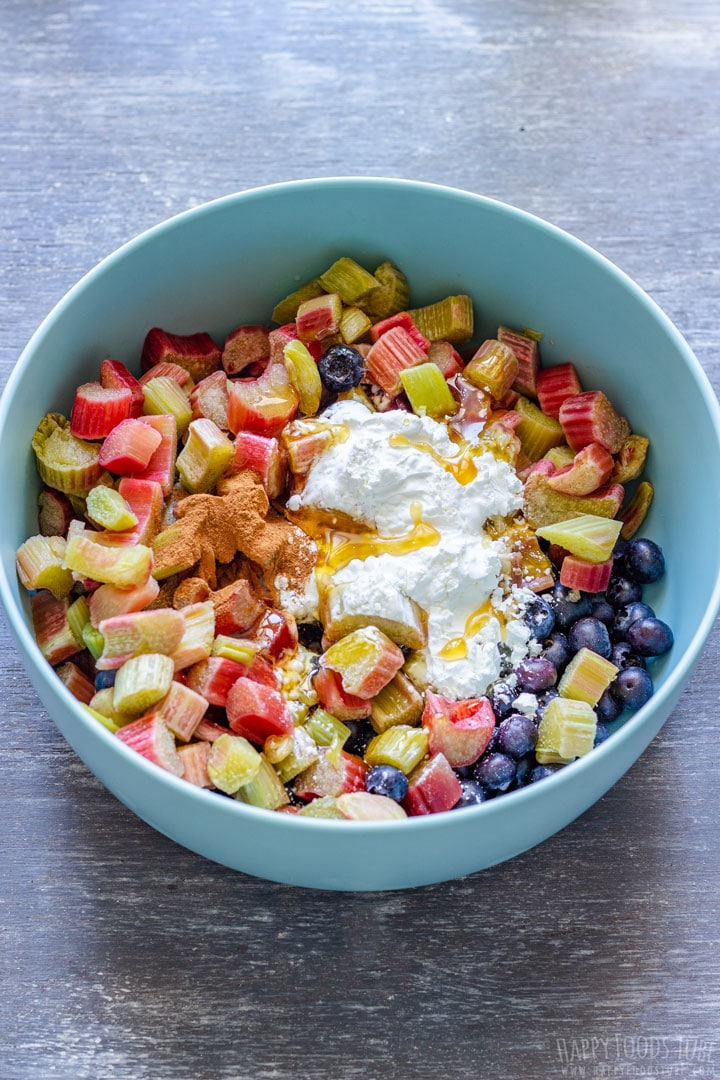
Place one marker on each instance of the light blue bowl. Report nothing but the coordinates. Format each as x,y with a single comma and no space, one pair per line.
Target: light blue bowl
227,263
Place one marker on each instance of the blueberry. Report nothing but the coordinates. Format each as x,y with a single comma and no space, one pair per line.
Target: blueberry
495,772
607,708
104,679
517,735
341,368
601,733
602,610
546,696
644,561
472,794
539,617
621,591
632,687
569,605
626,616
650,637
525,766
590,634
535,673
387,780
360,735
501,697
541,772
557,650
310,635
623,655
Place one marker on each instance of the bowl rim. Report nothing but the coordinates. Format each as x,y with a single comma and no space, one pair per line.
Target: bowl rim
676,676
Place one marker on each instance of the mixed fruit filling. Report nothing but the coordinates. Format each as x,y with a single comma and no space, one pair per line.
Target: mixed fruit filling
352,566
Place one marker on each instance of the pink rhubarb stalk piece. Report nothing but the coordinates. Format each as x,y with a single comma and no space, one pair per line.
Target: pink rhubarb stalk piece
392,353
590,469
264,456
76,682
161,467
145,499
263,405
54,512
54,637
590,418
237,607
209,400
404,319
194,760
149,737
247,345
527,351
318,318
108,601
555,385
169,371
335,700
115,376
432,787
214,677
159,630
446,357
182,710
129,447
197,353
461,730
257,711
97,410
588,577
331,774
276,634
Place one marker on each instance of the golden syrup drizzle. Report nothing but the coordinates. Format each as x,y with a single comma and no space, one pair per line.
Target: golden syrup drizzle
456,648
462,468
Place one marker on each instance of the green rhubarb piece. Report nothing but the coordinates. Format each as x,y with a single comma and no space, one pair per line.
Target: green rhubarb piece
103,703
233,762
587,677
401,746
78,617
66,463
285,311
92,640
304,752
354,325
205,456
39,562
240,650
121,565
537,432
304,376
567,731
494,368
326,730
106,507
427,391
588,536
397,703
163,396
324,807
106,721
560,456
265,789
141,682
450,319
392,296
349,280
633,514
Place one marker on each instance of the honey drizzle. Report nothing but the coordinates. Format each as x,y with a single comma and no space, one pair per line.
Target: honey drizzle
456,648
462,468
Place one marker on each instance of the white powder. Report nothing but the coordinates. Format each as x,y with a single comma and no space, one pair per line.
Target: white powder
393,469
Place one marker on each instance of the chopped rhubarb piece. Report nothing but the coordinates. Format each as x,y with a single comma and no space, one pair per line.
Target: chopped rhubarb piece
194,760
214,677
54,513
332,774
543,506
266,789
244,346
587,677
123,566
304,376
141,683
237,607
204,458
145,499
567,731
365,659
304,442
263,455
181,710
149,736
279,338
318,318
528,357
63,461
555,385
392,353
161,466
450,319
363,806
115,376
589,417
209,399
588,536
537,432
400,746
97,410
350,280
461,730
164,397
39,564
129,447
633,515
630,459
262,671
349,607
108,601
232,763
397,703
276,634
590,469
76,682
197,641
493,367
402,318
157,631
432,787
197,353
446,357
586,576
336,700
209,731
170,371
263,405
257,711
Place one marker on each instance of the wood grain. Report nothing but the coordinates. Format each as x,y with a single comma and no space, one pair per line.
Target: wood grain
121,954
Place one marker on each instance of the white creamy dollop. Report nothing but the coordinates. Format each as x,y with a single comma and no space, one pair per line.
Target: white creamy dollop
389,472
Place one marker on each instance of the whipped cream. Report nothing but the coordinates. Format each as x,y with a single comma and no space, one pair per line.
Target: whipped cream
395,469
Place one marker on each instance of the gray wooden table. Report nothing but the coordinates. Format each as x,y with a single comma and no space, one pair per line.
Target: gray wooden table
123,955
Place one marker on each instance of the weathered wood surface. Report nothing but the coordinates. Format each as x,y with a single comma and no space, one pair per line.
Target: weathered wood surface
121,954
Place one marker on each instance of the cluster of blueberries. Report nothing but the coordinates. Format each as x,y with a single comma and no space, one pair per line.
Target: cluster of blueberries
617,624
